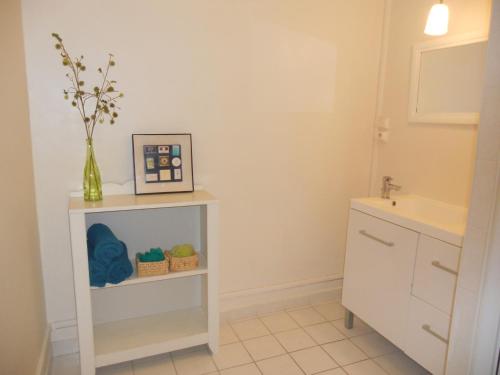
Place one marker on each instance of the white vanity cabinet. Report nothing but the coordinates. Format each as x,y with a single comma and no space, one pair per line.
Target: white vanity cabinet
400,279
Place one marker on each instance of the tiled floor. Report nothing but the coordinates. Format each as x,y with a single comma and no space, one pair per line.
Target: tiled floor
307,340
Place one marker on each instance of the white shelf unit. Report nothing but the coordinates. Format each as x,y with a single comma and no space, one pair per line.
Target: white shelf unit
141,317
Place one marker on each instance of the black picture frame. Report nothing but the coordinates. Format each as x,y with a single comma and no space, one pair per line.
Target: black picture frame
163,163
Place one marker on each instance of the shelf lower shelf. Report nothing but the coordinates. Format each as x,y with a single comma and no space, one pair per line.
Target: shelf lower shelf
130,339
200,270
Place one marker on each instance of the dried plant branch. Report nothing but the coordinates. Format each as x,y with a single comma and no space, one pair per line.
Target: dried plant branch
99,102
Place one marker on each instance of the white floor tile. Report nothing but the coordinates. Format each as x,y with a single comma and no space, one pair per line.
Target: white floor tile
374,344
250,369
322,324
313,360
227,335
295,340
364,368
297,303
248,329
331,311
271,308
344,352
231,355
337,371
324,333
263,347
119,369
279,322
307,316
399,364
234,316
279,366
359,328
157,365
193,363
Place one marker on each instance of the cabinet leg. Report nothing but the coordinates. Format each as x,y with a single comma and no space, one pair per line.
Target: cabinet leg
348,319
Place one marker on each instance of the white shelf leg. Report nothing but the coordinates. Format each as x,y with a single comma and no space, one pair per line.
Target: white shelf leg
82,293
212,233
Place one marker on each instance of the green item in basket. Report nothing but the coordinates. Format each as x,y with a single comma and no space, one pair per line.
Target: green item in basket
153,255
181,251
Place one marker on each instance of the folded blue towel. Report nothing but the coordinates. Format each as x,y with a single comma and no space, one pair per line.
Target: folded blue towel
120,269
97,273
103,245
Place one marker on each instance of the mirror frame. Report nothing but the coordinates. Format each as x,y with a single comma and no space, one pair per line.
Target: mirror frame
461,118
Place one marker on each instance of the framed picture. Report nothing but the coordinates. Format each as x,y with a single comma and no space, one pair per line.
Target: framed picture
163,163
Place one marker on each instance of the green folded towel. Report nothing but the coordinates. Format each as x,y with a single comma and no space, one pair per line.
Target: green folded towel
181,251
153,255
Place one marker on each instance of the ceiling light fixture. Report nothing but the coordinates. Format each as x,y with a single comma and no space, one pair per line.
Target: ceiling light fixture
437,22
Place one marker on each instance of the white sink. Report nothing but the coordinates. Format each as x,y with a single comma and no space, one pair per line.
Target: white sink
434,218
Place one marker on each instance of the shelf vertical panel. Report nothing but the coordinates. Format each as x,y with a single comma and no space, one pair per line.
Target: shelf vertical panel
212,248
82,292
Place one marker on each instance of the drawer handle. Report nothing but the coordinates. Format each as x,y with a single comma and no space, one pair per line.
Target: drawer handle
436,264
427,328
364,233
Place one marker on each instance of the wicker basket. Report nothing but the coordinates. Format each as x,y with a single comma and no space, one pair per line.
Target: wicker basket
182,264
145,269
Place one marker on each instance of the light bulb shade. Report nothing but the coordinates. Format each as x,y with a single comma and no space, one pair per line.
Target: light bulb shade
437,22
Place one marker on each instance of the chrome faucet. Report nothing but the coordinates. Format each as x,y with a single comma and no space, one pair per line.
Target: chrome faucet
387,186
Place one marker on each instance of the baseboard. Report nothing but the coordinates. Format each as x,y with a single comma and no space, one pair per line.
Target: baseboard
233,305
64,337
45,357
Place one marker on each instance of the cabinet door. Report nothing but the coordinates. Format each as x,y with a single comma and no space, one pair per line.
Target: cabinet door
428,330
435,273
378,272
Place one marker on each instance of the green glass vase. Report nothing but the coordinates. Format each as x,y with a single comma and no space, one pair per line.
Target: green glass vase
92,186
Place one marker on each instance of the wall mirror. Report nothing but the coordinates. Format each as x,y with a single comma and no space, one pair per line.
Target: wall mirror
447,80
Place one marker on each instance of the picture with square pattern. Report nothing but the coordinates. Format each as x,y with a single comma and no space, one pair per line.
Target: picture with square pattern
162,163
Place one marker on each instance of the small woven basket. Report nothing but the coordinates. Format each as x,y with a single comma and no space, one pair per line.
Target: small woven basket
145,269
182,264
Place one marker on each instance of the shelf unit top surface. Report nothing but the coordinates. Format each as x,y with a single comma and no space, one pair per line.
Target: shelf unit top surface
138,202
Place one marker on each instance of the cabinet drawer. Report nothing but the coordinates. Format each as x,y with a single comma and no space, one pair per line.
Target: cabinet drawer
435,273
427,341
378,273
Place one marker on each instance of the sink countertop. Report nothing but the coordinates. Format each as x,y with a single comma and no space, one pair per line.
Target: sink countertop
436,219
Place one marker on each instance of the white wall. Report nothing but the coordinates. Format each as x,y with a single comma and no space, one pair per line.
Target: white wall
23,325
279,96
434,161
